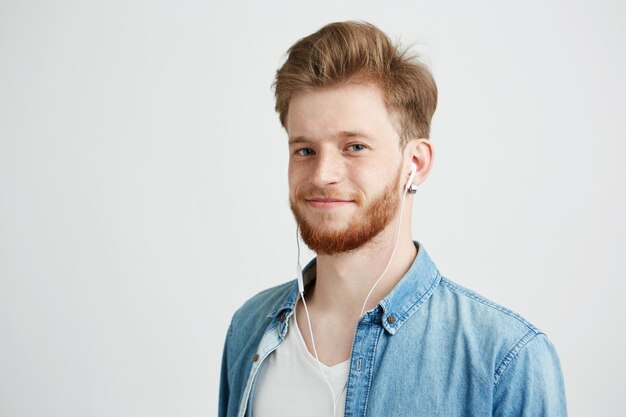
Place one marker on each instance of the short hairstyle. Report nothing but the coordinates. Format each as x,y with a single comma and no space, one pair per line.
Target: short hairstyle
359,52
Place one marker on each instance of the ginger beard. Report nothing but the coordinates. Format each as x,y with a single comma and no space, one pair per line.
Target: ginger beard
365,224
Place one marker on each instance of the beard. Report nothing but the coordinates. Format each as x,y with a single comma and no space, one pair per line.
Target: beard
365,224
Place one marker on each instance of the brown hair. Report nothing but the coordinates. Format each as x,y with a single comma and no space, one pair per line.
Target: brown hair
360,52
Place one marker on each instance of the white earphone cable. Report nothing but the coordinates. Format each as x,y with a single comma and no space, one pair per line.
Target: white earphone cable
308,316
308,319
393,253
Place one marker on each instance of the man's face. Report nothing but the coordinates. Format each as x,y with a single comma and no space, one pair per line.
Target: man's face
344,166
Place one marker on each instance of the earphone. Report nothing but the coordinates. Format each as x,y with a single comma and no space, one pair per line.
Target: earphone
411,189
299,272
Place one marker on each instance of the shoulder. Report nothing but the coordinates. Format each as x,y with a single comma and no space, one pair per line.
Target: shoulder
260,307
483,310
491,328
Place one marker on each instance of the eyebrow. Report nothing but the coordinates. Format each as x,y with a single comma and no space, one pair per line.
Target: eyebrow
341,134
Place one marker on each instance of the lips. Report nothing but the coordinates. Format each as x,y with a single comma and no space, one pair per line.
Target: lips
327,202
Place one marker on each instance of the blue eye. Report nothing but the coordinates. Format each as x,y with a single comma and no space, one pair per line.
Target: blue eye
356,147
305,152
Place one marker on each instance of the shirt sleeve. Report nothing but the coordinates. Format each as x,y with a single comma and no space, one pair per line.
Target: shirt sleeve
532,383
224,385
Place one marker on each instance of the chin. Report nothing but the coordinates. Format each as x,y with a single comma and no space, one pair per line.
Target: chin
329,223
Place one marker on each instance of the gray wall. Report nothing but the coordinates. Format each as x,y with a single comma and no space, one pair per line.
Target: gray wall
143,192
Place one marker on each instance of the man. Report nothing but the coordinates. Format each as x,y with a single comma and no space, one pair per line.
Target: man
373,329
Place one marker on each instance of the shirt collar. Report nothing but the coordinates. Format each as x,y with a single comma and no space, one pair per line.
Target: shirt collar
413,290
286,308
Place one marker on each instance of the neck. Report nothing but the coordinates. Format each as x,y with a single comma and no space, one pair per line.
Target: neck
344,280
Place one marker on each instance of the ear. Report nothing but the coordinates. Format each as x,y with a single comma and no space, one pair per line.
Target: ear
421,153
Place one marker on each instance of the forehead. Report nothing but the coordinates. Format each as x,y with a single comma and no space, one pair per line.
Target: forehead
330,112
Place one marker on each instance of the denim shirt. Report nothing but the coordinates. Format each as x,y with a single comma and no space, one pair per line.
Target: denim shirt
429,348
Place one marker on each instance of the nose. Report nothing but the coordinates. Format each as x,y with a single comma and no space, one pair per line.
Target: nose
328,170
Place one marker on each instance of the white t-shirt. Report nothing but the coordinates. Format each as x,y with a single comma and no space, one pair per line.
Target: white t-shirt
290,385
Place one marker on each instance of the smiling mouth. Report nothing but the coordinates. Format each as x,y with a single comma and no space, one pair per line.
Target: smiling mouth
325,202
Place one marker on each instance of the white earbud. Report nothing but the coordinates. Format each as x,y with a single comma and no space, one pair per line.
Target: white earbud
300,280
299,267
408,187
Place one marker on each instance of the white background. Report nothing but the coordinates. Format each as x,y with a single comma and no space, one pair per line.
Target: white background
143,191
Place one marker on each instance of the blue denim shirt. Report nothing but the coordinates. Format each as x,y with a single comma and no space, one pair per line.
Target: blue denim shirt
429,348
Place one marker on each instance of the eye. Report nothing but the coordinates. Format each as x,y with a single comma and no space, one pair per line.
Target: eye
356,147
305,152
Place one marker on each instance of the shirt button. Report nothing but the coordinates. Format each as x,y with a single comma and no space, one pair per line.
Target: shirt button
391,319
255,357
281,318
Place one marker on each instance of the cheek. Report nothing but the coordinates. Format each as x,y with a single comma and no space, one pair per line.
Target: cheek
367,176
374,181
294,178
